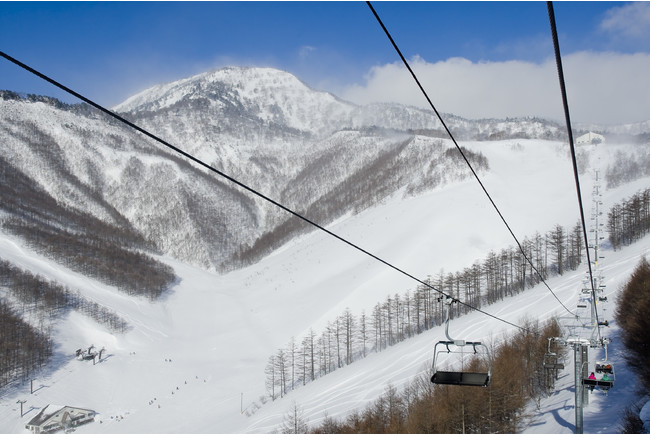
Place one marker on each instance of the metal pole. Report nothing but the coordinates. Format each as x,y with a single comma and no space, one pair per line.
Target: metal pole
578,386
21,406
585,374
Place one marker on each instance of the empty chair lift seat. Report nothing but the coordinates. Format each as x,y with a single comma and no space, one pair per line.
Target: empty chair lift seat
461,378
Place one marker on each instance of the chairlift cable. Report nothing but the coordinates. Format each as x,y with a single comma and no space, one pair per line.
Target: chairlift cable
565,103
239,183
478,179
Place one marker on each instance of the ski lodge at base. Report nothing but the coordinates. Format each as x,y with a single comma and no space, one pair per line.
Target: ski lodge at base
55,417
590,138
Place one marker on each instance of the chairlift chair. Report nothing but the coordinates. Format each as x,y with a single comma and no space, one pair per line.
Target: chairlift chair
551,360
604,384
459,377
607,369
604,367
552,363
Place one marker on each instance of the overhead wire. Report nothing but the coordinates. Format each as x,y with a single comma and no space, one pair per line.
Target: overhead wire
462,153
239,183
565,104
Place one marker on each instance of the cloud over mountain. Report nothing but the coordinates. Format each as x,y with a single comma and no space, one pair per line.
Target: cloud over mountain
604,88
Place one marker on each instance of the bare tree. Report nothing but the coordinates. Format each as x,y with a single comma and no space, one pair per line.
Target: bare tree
294,421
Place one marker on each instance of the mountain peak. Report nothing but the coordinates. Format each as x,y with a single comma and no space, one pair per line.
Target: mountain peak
269,95
164,95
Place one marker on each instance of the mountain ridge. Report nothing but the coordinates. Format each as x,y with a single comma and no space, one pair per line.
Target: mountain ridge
254,124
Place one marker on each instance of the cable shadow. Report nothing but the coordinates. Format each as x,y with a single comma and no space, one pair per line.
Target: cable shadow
562,422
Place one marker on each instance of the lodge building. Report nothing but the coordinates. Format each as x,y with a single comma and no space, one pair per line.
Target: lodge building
57,417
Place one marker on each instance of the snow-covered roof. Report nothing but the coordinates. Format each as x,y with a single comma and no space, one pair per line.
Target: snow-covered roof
52,410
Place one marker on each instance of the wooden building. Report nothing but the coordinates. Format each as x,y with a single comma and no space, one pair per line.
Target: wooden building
57,417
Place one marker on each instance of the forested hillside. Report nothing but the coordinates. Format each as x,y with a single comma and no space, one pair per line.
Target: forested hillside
517,372
631,312
352,336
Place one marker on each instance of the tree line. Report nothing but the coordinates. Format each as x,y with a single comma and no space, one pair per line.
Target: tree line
130,271
629,220
349,337
505,273
382,175
401,316
632,315
78,240
421,407
82,109
48,300
628,167
28,307
23,347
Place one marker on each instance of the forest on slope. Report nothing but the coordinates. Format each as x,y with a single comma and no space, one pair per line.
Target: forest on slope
115,254
350,337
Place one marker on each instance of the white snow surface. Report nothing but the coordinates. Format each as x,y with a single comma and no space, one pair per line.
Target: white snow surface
195,357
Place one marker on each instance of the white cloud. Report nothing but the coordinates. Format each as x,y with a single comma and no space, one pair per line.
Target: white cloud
607,88
630,21
305,50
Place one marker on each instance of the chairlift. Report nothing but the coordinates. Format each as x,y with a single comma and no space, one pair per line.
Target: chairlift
584,301
552,363
605,368
456,346
606,382
551,360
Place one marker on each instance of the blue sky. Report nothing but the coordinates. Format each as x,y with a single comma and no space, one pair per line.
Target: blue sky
110,51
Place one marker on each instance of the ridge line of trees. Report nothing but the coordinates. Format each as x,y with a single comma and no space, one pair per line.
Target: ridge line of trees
378,178
506,273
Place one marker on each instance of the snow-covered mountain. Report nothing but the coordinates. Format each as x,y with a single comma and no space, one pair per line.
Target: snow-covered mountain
264,127
382,176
